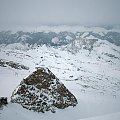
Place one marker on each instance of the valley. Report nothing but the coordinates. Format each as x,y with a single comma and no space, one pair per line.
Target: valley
89,67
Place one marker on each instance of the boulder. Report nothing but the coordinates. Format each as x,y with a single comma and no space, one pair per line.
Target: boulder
42,91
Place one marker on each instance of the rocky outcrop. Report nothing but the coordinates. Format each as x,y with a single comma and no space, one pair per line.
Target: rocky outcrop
42,91
12,64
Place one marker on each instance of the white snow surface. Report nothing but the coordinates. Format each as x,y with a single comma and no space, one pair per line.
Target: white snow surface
93,77
113,116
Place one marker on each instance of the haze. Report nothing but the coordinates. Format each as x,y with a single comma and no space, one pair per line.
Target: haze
37,12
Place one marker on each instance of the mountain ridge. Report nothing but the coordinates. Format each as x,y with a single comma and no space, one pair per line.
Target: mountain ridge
59,35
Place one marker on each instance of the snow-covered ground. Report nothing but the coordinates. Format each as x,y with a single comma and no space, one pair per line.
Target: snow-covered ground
93,77
87,107
113,116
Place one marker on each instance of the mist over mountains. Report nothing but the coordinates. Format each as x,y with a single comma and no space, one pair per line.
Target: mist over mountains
55,37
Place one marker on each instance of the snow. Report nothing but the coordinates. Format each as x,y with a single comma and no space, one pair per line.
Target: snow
87,107
16,46
91,37
68,37
84,34
55,40
113,116
100,100
9,81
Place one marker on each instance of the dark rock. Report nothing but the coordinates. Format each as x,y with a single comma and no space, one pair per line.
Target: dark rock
12,64
42,91
3,101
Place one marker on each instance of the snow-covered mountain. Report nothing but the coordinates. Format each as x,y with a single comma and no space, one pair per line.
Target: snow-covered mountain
59,35
87,61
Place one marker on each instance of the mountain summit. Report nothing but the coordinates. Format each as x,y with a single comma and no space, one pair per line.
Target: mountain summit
42,91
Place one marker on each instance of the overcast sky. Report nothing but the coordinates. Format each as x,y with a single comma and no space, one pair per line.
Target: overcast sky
36,12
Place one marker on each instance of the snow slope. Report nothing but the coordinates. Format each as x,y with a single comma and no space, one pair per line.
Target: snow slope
88,106
92,76
114,116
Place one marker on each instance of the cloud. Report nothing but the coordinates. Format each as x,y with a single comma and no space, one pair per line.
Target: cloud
35,12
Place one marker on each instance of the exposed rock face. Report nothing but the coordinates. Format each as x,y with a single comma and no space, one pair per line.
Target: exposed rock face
42,91
12,64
